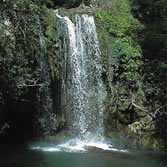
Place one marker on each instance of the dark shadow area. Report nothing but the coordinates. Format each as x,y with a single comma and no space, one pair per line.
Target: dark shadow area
67,3
18,117
70,4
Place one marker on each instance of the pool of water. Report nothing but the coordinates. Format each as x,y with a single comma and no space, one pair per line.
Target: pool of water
74,153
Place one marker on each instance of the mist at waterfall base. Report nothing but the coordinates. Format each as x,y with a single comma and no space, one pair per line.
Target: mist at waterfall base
82,97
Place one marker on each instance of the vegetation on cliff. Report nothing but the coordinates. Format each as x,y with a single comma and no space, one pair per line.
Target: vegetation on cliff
20,81
133,57
19,73
133,43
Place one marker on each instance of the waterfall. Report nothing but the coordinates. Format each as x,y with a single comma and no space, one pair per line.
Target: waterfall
45,115
82,90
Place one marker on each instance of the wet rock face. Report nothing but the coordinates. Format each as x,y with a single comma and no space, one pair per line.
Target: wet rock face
95,3
72,3
100,3
67,3
142,131
136,125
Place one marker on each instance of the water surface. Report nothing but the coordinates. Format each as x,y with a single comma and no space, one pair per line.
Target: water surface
25,155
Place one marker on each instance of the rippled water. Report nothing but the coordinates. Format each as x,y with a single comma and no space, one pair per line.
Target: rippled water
74,153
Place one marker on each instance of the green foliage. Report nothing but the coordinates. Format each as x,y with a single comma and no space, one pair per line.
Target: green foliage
153,14
19,46
123,30
120,37
49,24
163,65
49,20
149,10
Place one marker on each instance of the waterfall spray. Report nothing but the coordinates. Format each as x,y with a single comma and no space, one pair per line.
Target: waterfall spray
83,92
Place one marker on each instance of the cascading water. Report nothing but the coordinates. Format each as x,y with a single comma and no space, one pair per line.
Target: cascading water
45,115
82,88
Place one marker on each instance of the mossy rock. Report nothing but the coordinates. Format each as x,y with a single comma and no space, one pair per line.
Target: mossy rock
150,140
